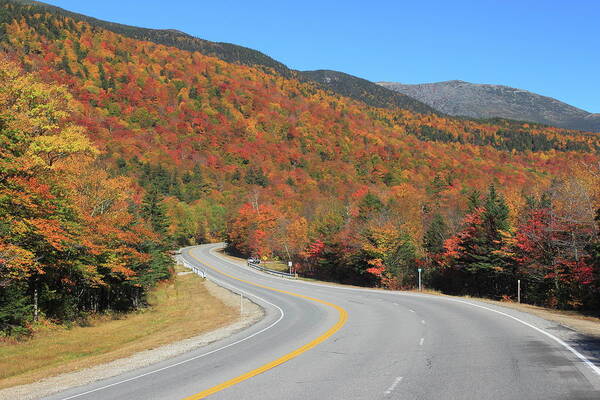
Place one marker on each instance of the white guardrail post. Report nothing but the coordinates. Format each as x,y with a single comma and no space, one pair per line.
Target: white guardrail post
197,270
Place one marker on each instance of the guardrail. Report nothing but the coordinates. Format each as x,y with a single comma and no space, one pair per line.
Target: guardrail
272,271
197,270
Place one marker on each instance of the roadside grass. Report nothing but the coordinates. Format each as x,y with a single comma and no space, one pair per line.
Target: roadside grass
276,266
179,309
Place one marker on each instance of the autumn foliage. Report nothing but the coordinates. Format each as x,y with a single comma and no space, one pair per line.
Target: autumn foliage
140,143
68,242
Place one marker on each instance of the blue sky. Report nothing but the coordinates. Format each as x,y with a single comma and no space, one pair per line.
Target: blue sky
550,47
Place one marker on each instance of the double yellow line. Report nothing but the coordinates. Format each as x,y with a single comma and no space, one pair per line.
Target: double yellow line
342,318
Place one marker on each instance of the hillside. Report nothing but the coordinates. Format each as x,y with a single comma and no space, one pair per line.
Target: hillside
186,148
344,84
177,119
461,98
171,37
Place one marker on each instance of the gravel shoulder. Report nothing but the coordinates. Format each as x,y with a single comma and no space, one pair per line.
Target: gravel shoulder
571,320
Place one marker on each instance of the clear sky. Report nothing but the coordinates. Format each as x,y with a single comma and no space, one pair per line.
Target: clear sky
551,47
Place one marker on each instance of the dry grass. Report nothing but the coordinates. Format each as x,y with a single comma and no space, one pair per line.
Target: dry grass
180,309
280,266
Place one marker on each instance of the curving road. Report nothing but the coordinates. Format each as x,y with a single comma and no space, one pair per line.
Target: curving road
327,342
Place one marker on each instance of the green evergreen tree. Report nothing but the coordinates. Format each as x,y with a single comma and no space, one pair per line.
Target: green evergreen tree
594,252
64,65
370,204
104,84
436,186
436,234
155,211
473,200
483,266
15,309
495,216
256,176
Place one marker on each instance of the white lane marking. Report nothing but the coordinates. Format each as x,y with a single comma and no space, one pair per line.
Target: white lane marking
551,336
411,310
421,341
220,283
393,385
396,293
423,321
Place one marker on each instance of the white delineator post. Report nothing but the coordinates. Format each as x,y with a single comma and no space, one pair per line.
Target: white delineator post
241,305
419,279
518,290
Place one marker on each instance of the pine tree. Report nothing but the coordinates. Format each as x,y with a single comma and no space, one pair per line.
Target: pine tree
495,215
104,84
594,251
155,211
64,65
256,176
369,205
474,200
433,240
436,187
477,251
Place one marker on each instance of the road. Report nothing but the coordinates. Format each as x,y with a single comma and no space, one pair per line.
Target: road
327,342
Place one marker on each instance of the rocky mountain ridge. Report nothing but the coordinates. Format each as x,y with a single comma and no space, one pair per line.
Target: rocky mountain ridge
482,101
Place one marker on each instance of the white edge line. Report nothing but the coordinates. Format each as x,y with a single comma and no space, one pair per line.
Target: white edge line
551,336
220,283
421,341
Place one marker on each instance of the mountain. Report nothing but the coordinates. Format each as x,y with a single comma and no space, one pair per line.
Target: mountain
461,98
338,82
363,90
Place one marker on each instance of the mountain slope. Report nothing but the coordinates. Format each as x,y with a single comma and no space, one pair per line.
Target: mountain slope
172,37
338,82
363,90
461,98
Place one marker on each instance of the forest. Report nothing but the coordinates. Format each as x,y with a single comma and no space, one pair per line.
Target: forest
115,150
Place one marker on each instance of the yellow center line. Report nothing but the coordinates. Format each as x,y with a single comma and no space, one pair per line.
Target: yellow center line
342,318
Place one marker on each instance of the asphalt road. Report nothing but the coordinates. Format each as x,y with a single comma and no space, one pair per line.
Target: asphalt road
393,345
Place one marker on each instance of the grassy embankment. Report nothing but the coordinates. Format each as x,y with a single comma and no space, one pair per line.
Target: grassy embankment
280,266
179,309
